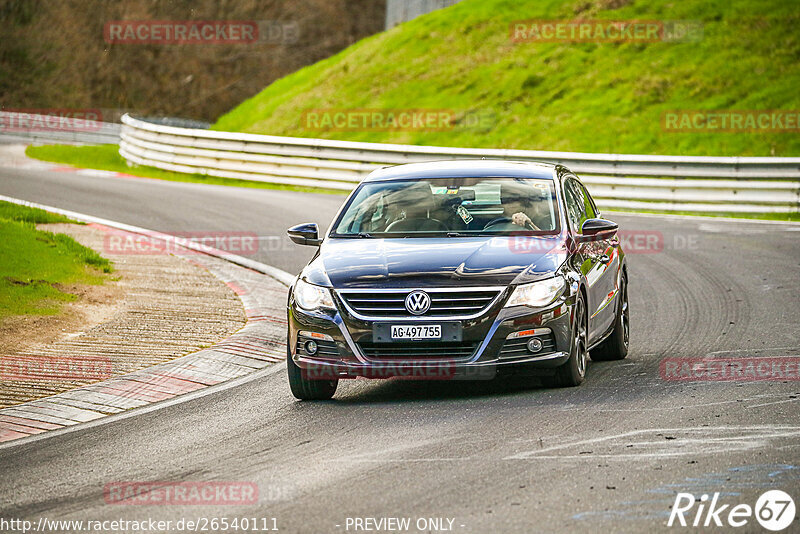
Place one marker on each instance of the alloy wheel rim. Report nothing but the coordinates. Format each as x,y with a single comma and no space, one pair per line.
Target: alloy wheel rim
624,316
580,339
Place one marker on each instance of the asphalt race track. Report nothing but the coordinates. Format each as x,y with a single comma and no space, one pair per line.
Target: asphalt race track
492,456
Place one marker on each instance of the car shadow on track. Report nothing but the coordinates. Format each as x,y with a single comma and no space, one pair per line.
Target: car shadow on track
393,390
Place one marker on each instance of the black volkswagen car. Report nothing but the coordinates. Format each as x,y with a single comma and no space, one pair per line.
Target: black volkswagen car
459,270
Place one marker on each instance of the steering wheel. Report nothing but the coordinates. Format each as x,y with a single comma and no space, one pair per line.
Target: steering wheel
507,220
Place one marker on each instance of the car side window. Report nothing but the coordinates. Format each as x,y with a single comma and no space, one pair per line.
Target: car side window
580,205
588,203
574,205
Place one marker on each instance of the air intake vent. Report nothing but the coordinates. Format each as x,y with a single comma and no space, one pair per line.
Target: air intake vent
418,350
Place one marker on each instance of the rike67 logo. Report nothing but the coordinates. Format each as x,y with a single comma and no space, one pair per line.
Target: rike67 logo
774,510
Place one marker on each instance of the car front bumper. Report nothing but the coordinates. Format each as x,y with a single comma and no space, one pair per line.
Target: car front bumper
341,337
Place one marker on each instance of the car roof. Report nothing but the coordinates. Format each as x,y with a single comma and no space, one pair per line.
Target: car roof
464,168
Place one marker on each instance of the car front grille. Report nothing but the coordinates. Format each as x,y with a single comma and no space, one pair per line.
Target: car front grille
418,350
444,302
517,348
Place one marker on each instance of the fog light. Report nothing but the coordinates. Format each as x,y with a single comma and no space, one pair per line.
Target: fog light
535,345
311,347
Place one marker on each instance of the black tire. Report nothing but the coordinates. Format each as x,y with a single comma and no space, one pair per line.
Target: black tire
573,371
615,346
305,389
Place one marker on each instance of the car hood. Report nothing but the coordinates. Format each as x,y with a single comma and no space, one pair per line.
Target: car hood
426,262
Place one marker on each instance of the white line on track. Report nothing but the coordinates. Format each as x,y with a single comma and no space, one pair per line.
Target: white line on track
280,275
186,397
650,443
771,403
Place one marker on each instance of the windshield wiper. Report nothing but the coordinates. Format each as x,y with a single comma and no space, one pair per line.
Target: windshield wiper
362,235
471,234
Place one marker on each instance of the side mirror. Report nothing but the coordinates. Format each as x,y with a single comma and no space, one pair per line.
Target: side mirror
305,234
601,228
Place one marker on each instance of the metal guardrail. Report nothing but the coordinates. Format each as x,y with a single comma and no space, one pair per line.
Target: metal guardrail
675,183
35,128
398,11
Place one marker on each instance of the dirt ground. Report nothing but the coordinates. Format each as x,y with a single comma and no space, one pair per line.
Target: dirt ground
156,308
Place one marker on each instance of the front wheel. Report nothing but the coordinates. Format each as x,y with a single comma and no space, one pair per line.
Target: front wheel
573,371
615,346
305,389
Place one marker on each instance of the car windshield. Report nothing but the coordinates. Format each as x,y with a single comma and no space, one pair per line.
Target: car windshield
452,207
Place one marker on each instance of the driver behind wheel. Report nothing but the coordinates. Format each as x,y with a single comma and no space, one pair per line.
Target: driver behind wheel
521,206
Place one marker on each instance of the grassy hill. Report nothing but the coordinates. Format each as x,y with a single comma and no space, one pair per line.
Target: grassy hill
586,97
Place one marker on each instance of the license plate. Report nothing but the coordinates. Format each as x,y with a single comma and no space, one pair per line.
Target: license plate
428,331
394,333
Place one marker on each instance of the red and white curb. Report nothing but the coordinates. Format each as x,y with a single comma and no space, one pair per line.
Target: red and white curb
259,344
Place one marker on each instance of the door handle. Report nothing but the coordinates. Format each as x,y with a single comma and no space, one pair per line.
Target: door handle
604,258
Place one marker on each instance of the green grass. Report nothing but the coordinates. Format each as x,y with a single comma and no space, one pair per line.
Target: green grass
791,217
18,213
36,267
107,158
584,97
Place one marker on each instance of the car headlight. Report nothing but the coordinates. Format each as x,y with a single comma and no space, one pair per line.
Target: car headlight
311,297
537,294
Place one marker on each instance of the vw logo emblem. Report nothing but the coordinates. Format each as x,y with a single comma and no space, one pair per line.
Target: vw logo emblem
418,302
